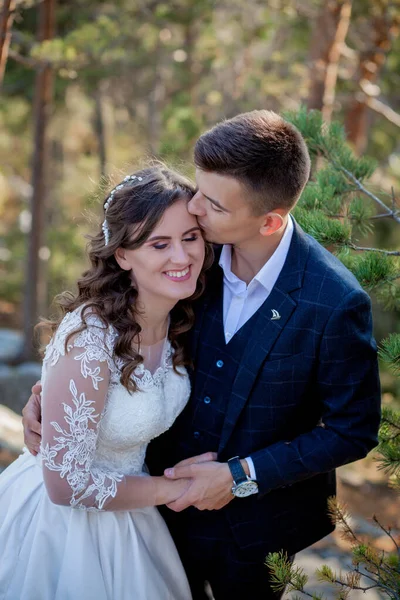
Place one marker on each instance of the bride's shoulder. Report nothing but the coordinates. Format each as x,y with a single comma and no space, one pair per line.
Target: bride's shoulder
82,328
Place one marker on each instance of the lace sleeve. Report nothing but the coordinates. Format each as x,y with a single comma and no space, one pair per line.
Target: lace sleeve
73,399
75,388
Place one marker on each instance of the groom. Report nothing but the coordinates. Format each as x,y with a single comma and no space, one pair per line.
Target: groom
285,382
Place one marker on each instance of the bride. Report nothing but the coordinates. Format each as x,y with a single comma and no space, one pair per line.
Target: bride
79,520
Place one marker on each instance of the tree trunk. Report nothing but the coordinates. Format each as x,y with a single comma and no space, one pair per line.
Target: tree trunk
99,129
371,63
153,105
41,111
329,34
6,21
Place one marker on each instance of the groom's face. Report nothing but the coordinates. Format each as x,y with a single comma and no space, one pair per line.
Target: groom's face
223,209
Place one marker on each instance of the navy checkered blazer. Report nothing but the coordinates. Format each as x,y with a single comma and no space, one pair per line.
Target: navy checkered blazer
305,399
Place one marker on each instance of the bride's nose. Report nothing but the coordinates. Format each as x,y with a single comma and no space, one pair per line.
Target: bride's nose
179,255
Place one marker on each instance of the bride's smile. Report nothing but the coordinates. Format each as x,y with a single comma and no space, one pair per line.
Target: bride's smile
167,266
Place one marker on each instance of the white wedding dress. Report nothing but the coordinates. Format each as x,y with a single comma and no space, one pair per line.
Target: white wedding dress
94,437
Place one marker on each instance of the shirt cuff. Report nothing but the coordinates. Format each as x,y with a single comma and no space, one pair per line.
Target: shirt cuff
251,468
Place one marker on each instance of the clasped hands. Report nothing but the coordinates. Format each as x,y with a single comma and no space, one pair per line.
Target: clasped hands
211,483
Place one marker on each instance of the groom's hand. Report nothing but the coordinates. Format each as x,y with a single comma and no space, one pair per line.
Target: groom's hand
31,417
200,458
210,489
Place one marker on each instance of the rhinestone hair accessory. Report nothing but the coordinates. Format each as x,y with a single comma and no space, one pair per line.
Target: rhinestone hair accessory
105,227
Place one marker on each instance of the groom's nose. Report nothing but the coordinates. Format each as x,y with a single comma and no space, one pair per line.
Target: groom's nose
196,205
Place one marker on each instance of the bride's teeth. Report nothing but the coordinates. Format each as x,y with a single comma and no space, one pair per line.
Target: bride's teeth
178,273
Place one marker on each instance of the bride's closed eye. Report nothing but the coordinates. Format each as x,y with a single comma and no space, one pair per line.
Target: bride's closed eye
192,238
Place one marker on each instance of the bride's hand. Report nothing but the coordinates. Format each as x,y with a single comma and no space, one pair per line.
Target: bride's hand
169,493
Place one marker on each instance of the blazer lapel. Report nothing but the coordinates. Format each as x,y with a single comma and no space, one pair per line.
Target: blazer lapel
267,329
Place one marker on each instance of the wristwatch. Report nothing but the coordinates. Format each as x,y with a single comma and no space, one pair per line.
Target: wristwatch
242,484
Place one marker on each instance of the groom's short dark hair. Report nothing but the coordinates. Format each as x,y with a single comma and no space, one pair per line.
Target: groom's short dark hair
264,152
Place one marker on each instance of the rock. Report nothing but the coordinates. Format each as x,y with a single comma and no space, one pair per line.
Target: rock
385,543
10,343
16,383
11,435
351,477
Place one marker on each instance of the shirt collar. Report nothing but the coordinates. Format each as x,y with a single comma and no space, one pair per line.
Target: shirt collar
269,272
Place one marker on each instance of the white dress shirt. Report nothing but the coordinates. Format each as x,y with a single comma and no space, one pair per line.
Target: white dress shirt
241,301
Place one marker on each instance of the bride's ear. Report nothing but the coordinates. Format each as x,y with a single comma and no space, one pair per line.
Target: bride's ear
120,257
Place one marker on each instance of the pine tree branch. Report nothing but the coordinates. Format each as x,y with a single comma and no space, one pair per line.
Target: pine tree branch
303,591
391,423
356,587
373,577
387,531
364,249
359,185
390,574
385,281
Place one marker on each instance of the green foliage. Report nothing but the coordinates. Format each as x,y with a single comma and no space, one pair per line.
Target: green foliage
325,573
390,352
283,574
325,230
372,269
389,444
337,208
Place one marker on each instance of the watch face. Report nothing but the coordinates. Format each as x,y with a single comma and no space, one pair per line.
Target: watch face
245,489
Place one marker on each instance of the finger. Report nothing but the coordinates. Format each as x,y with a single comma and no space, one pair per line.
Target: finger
178,506
32,440
37,389
201,458
32,414
207,457
31,425
179,472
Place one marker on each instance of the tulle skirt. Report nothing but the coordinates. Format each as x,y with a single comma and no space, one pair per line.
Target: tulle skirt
51,552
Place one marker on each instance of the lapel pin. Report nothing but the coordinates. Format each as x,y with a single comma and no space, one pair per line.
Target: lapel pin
275,315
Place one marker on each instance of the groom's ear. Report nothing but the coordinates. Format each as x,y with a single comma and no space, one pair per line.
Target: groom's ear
273,221
121,259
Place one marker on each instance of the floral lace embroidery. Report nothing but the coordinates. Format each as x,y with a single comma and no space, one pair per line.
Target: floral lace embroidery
80,442
96,341
145,379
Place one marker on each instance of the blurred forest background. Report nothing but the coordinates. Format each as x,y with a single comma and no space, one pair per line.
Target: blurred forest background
90,90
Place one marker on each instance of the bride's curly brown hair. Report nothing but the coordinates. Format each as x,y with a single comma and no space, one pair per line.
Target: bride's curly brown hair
108,291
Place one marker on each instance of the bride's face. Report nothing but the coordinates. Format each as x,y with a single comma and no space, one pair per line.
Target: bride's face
168,264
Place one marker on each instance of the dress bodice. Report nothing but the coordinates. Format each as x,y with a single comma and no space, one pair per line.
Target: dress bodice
130,421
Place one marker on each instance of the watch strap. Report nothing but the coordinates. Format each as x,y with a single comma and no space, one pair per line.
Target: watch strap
237,471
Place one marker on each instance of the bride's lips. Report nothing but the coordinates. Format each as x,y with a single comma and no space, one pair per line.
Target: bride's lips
182,277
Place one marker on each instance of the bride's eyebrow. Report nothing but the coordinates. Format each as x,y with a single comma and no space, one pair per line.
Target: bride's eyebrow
167,237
